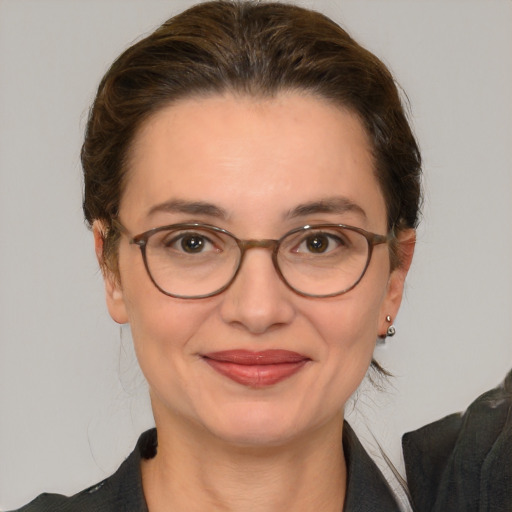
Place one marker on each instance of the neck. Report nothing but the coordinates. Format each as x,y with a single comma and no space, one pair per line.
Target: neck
193,472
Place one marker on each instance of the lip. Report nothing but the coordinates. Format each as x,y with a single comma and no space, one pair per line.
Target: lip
256,369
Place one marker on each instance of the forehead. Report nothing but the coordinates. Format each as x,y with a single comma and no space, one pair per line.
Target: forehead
251,156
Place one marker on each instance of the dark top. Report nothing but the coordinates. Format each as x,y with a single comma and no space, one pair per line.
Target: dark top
462,463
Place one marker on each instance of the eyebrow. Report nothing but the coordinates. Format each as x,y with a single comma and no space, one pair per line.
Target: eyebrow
338,205
189,207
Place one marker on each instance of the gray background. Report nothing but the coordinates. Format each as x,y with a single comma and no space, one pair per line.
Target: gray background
72,401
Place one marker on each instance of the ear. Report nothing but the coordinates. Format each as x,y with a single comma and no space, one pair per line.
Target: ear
113,290
396,281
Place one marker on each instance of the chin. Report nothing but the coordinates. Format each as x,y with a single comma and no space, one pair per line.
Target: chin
254,425
257,436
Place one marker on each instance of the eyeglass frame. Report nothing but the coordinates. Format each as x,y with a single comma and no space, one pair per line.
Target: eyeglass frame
141,241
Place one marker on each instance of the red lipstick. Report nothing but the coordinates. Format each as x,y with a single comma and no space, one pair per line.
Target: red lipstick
256,369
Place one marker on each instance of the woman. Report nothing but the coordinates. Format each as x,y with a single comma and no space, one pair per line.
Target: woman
253,188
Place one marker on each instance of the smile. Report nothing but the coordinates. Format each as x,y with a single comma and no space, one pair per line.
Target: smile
256,369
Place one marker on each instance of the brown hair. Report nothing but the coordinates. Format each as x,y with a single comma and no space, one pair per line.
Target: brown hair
248,48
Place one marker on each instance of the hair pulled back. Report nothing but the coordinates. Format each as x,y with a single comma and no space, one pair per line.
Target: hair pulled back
254,49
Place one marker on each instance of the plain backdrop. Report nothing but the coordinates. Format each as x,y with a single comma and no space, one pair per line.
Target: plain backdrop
72,401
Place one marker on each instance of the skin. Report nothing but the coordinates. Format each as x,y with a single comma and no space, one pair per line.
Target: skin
223,445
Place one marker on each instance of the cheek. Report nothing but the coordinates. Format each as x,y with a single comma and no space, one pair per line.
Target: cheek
352,320
162,327
348,327
165,325
349,340
166,341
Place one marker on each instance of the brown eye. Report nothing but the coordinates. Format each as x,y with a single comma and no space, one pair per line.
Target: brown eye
317,243
320,243
192,243
188,243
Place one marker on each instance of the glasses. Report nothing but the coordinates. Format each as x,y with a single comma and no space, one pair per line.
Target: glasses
195,261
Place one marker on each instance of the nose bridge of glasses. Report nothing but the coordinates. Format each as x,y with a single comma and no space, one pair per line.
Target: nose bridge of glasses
266,243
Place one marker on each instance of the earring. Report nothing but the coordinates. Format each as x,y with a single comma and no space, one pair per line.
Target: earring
391,331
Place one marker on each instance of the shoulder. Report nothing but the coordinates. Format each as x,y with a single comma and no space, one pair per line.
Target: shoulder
464,461
121,492
88,499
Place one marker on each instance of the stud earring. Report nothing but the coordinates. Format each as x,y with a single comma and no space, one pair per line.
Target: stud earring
391,331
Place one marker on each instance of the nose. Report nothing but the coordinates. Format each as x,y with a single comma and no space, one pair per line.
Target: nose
258,300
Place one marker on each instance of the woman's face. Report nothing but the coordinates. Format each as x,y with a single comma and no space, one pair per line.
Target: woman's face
259,168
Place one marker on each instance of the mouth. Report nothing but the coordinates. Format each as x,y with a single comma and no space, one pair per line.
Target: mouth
256,369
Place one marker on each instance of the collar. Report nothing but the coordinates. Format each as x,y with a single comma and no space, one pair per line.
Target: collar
367,489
